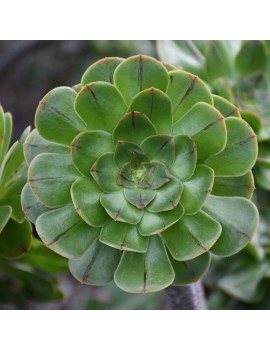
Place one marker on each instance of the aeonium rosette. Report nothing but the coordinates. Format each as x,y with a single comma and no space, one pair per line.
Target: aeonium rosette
135,174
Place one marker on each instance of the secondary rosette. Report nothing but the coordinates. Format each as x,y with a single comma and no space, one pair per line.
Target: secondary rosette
121,171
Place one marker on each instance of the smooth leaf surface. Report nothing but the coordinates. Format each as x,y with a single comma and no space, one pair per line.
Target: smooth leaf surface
85,194
219,61
238,218
138,73
50,177
240,153
64,232
197,189
139,197
191,236
142,273
124,152
96,266
100,105
225,107
56,113
120,209
5,213
157,106
185,90
123,236
153,223
160,148
87,147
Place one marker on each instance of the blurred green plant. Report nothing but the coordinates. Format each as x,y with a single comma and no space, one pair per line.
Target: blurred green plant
123,163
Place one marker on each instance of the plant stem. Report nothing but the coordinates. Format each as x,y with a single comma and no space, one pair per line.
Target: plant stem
187,297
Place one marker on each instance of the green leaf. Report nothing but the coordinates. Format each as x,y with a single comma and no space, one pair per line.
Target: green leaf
252,57
185,90
219,61
157,106
143,273
191,236
56,114
242,186
85,195
35,145
188,272
197,189
167,197
15,239
31,206
134,127
87,147
253,119
139,197
5,213
138,73
123,236
153,223
5,133
206,126
238,218
105,173
160,148
185,157
120,209
101,71
50,177
156,176
222,86
64,232
225,107
262,173
96,266
125,150
240,153
100,105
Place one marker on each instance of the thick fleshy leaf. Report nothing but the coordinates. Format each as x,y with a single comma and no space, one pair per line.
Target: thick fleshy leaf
63,231
153,223
156,176
5,133
85,195
188,272
35,145
225,107
238,218
134,127
139,197
124,151
15,239
56,114
219,61
120,209
197,189
105,173
142,273
167,197
31,206
240,153
5,213
262,173
191,236
185,157
222,86
87,147
101,71
96,266
185,90
252,57
138,73
50,177
100,105
123,236
253,119
157,106
160,148
242,186
204,123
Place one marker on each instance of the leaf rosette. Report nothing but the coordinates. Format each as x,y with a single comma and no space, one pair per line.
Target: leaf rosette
15,230
135,175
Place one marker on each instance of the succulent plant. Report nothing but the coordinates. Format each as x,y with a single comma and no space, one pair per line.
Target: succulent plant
121,171
15,230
